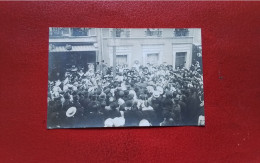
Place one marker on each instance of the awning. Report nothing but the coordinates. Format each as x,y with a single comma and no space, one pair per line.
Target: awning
80,48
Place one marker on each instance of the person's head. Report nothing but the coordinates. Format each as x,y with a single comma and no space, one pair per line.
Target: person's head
128,105
111,98
66,96
75,97
103,104
167,115
156,94
102,96
113,105
95,107
126,92
121,101
130,97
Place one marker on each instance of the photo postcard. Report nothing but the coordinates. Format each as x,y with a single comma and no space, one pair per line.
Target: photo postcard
125,77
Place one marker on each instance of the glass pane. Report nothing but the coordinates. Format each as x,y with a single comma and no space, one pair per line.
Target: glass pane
153,58
80,32
181,32
121,59
180,59
65,31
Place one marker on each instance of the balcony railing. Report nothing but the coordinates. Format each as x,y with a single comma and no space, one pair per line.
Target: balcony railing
151,32
118,32
70,32
181,32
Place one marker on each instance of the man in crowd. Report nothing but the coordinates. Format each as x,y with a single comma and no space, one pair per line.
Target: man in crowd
159,94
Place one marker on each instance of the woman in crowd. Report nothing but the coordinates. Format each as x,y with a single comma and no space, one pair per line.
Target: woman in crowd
159,95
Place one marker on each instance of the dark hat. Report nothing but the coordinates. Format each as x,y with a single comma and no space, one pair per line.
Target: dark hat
129,103
76,97
169,94
103,103
102,96
142,96
67,96
113,105
126,92
106,91
130,96
121,94
98,91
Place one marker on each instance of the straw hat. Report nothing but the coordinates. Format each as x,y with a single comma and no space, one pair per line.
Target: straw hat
71,112
144,122
159,89
108,122
119,121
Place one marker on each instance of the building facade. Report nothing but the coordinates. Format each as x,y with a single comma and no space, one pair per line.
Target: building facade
153,46
86,46
72,46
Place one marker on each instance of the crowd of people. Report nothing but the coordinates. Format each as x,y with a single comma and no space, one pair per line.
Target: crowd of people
137,96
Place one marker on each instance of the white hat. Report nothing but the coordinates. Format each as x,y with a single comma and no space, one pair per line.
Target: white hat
147,108
74,88
58,82
119,121
159,89
108,122
201,121
71,112
132,92
65,88
150,88
120,101
144,122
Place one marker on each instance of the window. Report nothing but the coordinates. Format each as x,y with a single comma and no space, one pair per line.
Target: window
153,32
180,59
59,32
119,32
153,58
65,32
80,31
55,31
92,31
121,60
181,32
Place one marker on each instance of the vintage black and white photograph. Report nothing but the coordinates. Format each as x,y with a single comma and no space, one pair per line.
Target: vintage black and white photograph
125,77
